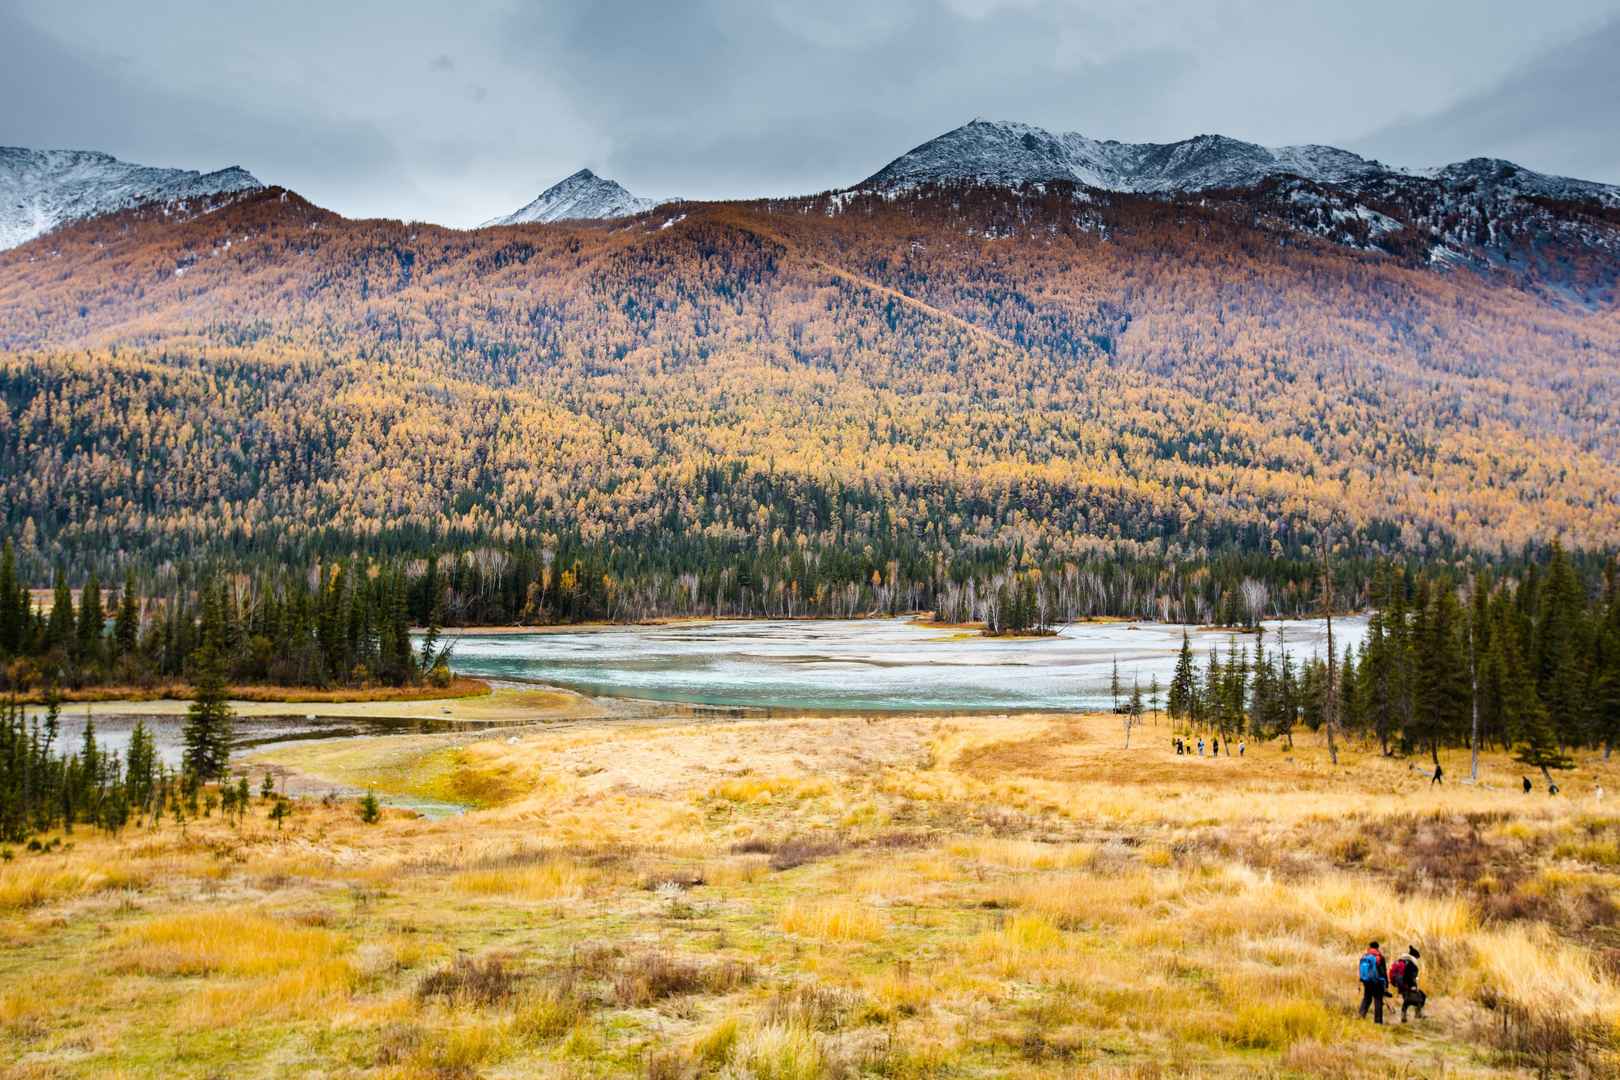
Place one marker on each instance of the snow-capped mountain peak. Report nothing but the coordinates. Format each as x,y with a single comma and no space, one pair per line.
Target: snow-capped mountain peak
582,196
1004,152
42,189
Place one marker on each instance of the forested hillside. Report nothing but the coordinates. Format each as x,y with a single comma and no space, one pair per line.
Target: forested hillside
942,377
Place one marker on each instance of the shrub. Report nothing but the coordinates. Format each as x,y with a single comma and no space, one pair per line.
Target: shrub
465,980
649,977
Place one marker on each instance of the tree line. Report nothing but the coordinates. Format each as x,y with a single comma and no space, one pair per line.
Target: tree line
1529,663
47,786
343,624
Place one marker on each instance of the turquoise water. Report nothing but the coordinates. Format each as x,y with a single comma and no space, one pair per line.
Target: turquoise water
865,664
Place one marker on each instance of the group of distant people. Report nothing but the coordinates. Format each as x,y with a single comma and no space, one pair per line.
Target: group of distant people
1184,747
1439,777
1378,978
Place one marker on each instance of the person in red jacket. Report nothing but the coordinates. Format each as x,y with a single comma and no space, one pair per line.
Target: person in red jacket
1403,976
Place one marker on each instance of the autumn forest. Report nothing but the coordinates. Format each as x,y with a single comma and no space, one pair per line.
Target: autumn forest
830,405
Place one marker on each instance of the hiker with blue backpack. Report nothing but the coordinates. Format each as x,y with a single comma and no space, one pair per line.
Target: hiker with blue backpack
1374,982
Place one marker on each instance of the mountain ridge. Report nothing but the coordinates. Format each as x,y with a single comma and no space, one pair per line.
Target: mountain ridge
41,190
1012,152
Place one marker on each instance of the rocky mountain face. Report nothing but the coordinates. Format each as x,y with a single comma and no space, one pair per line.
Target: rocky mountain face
1010,153
1486,214
43,189
583,196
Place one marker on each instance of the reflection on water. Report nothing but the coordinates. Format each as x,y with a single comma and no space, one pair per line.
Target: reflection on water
874,664
113,729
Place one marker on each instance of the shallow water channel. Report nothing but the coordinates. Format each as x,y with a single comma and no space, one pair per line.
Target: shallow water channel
867,664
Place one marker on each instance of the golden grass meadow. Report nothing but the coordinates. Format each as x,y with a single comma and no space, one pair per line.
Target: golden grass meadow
786,899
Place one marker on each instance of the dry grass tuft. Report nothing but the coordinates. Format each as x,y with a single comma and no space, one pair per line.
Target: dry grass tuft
645,978
224,943
833,920
468,981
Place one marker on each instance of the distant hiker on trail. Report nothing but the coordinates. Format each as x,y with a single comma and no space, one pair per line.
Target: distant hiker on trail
1200,746
1374,982
1242,746
1527,785
1439,775
1215,747
1403,975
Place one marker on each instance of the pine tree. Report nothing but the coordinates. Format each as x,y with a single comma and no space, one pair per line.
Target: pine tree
92,623
141,769
1443,700
1560,675
209,719
13,603
127,624
1183,685
1606,681
1538,743
60,628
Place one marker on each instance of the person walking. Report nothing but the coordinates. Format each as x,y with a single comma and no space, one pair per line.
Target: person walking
1439,775
1374,977
1200,746
1403,975
1242,746
1215,747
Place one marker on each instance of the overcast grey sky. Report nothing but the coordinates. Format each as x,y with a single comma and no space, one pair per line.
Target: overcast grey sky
455,112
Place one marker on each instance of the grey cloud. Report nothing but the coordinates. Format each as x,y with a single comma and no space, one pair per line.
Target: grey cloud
60,98
728,96
1558,114
457,113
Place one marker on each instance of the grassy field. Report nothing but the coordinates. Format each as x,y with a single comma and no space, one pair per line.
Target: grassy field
829,897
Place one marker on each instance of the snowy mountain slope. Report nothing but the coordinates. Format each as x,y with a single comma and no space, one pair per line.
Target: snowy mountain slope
42,189
1009,153
1000,152
1558,233
582,196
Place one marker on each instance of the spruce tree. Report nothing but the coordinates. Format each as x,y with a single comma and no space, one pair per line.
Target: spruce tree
12,612
209,719
1538,743
1606,686
141,770
60,627
1183,684
127,624
1443,699
92,622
